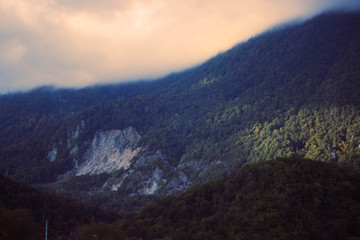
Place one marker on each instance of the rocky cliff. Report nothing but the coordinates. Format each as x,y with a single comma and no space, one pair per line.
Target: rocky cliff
114,157
110,151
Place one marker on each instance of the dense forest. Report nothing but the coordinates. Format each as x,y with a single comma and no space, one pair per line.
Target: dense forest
289,198
24,211
285,198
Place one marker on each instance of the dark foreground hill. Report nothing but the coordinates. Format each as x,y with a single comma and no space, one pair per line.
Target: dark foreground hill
278,199
24,210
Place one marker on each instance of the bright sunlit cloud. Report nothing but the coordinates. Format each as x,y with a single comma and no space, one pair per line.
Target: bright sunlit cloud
78,43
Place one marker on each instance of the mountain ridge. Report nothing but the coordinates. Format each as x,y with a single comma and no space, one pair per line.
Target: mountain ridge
289,92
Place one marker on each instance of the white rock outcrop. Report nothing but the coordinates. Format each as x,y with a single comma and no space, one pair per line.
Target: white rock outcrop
52,154
76,133
110,151
153,183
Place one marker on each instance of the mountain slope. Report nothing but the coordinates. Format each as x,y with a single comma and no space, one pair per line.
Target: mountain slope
23,114
277,199
289,92
25,209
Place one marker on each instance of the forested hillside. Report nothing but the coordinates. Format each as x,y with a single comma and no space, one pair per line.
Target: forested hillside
289,198
289,92
24,211
23,114
279,199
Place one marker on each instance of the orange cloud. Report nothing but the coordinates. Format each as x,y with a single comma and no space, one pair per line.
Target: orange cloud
77,43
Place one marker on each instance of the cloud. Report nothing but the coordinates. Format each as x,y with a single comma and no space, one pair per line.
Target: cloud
77,43
12,52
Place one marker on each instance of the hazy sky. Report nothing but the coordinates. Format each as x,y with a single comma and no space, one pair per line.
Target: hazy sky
82,42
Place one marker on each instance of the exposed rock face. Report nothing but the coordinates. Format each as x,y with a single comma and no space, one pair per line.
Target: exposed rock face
133,172
153,183
52,154
147,159
179,183
76,133
110,151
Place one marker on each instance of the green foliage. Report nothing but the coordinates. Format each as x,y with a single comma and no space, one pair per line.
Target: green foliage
279,199
288,198
309,133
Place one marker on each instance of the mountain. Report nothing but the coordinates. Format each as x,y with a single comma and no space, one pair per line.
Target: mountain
294,91
289,198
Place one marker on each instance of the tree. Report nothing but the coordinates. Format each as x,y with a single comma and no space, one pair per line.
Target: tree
100,231
17,225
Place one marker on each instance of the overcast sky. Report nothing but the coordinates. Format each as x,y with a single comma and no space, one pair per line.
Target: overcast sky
82,42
